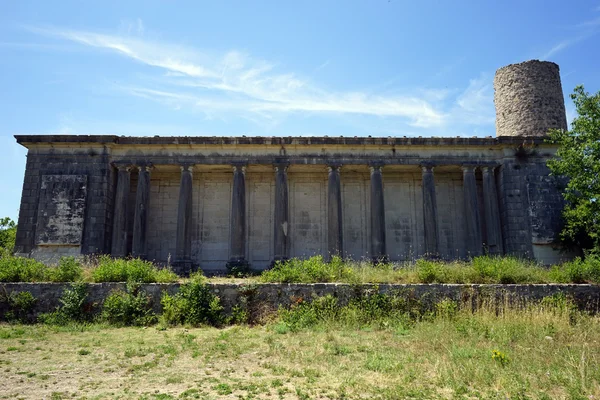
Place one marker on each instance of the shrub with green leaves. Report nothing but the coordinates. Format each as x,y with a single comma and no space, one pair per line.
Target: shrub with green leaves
193,304
130,307
579,270
67,270
313,270
20,305
130,270
22,269
73,308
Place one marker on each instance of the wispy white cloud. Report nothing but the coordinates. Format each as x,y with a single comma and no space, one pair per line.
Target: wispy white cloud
584,30
476,103
234,81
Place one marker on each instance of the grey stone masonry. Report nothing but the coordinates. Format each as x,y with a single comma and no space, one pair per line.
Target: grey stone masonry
237,229
529,99
378,251
430,216
183,255
272,296
471,210
492,212
334,211
119,237
140,222
281,213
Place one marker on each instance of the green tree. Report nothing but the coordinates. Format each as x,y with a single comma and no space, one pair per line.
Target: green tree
578,160
8,233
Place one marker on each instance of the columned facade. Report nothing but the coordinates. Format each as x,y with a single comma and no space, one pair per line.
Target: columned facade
213,207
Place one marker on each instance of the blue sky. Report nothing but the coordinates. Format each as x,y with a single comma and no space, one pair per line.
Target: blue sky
273,68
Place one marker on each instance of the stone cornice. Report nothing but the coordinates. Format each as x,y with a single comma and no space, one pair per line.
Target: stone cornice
27,140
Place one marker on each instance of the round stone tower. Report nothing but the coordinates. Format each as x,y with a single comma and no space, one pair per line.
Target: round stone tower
529,99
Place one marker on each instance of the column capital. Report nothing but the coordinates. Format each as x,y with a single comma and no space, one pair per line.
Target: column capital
144,166
468,167
187,167
281,166
487,168
239,165
376,166
427,167
122,166
333,167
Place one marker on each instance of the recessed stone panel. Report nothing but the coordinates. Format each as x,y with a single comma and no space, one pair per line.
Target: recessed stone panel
61,210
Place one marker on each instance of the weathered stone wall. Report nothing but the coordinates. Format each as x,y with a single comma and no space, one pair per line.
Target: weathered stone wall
271,296
36,207
529,99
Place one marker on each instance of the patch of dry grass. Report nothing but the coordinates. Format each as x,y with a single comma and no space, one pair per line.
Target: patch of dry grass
544,352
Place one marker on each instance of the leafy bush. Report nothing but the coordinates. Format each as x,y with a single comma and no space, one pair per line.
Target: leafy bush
194,304
20,305
579,270
8,233
130,270
22,269
67,270
72,309
430,271
130,307
370,308
310,271
505,270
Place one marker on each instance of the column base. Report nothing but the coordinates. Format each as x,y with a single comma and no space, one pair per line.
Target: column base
238,267
183,267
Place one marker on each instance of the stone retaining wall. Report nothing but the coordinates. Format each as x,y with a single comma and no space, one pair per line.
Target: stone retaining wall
272,295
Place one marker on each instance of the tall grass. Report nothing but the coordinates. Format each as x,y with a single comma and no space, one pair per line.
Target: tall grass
130,270
479,270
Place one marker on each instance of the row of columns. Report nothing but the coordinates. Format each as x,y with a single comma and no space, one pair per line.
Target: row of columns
183,260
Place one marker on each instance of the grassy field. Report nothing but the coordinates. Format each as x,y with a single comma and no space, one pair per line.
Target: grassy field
545,352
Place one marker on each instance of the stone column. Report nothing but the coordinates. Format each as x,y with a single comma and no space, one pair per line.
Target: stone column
430,213
378,251
183,252
334,212
281,220
237,259
492,212
471,210
142,203
119,235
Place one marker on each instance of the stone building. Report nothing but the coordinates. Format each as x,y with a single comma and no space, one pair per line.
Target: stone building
209,202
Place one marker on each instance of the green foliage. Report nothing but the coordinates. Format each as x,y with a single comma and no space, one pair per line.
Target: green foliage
313,270
8,233
368,309
578,159
67,270
193,304
500,358
22,269
578,271
20,305
130,270
430,271
130,307
73,307
505,270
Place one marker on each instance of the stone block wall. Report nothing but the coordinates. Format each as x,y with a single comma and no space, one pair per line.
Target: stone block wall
273,295
91,164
